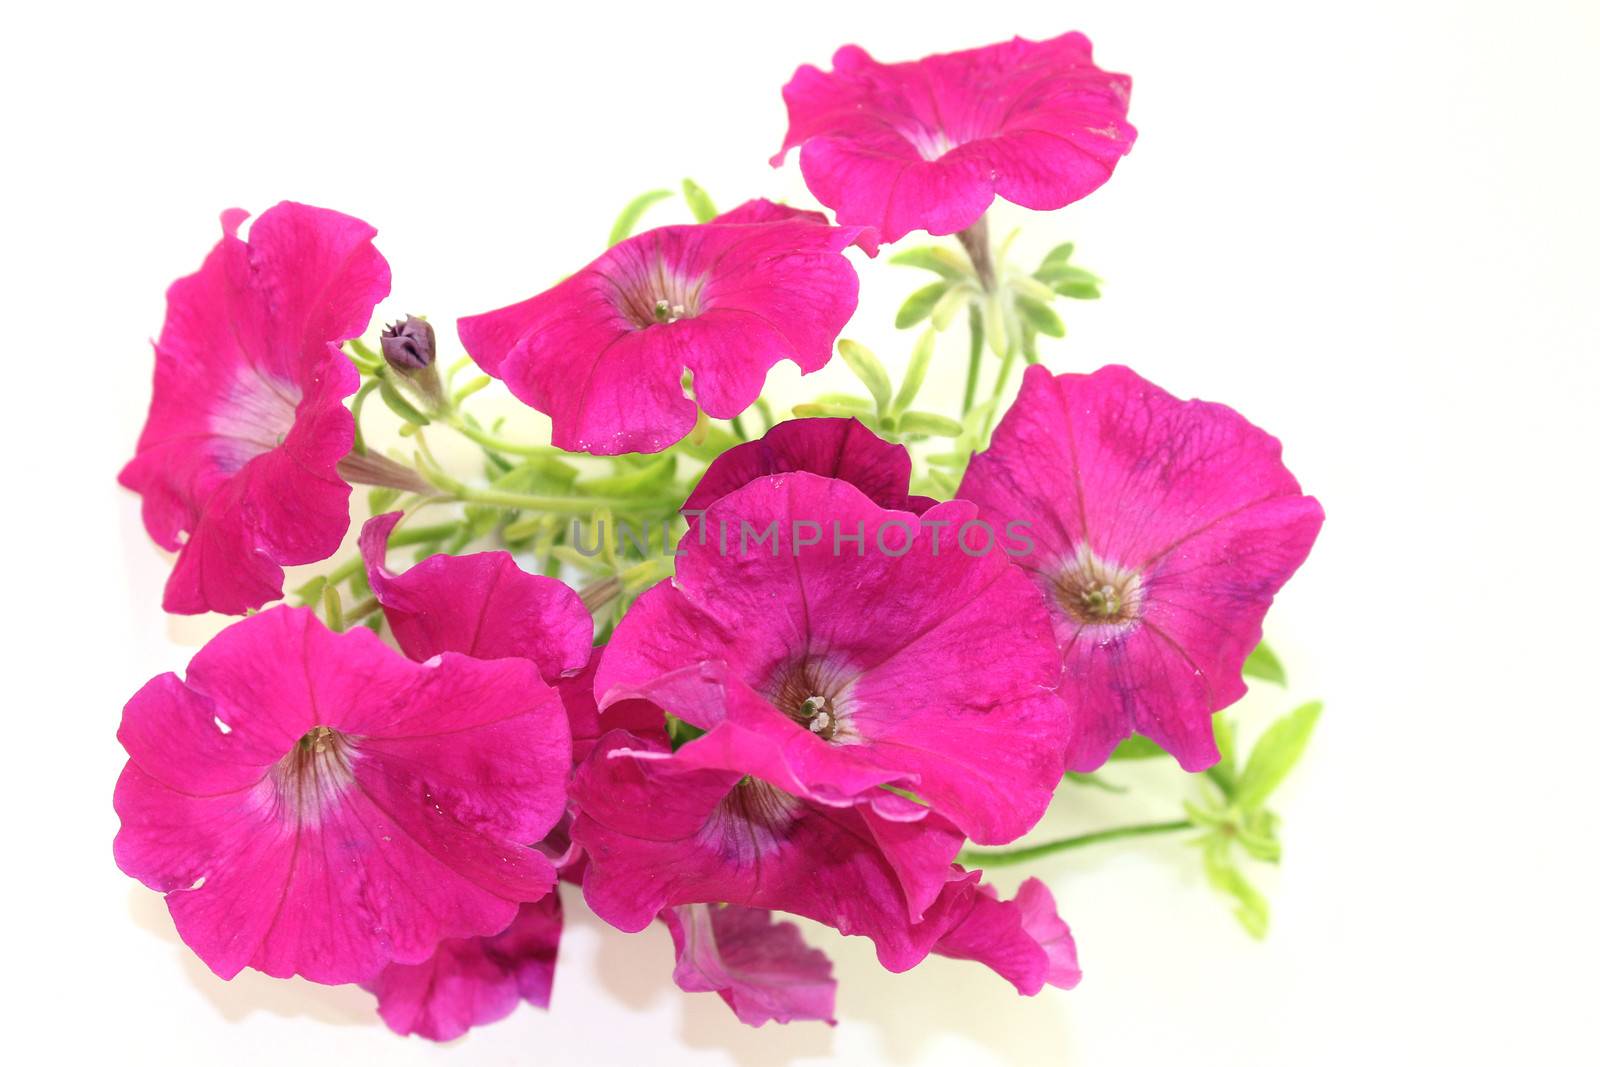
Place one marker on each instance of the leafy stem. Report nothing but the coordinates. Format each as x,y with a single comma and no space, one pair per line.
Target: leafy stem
1005,857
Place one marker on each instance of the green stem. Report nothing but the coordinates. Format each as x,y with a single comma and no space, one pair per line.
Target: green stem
1005,857
499,444
561,505
999,387
974,359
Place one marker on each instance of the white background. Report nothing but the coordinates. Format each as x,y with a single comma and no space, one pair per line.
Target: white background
1371,227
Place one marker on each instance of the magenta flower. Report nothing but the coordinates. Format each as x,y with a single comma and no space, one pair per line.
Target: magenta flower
762,969
473,981
482,605
314,803
1162,530
237,460
833,448
928,145
604,352
1022,940
663,829
842,647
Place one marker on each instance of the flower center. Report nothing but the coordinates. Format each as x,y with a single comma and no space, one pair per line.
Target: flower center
751,821
252,418
814,693
649,292
1095,592
313,773
929,143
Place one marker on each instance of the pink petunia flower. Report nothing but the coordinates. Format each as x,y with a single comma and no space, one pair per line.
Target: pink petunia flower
473,981
833,448
1023,940
928,145
237,461
604,352
841,647
481,605
1162,530
314,803
762,969
663,829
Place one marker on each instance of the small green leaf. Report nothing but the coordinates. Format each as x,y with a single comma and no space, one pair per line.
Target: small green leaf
926,422
1059,254
865,366
1138,747
941,261
1023,285
1252,911
844,400
1263,663
916,372
1040,317
381,498
953,300
332,608
400,405
919,305
699,202
640,482
1275,755
622,229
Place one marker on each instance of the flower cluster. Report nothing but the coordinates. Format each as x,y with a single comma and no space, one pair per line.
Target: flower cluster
844,660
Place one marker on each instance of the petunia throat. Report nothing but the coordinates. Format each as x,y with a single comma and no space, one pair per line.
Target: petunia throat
1096,592
315,771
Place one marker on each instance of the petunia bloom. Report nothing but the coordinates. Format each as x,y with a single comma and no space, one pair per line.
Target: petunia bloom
843,647
473,981
1163,528
481,605
663,829
605,351
928,145
1023,940
314,803
237,461
833,448
761,969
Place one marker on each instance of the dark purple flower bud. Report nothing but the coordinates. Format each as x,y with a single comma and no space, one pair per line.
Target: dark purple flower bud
408,345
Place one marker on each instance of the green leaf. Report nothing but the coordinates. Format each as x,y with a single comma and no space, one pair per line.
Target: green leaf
953,300
941,261
919,305
844,400
699,202
1023,285
1059,254
1252,912
916,372
1040,317
639,482
1276,754
1263,663
400,405
1138,747
1222,771
865,366
622,229
926,422
381,498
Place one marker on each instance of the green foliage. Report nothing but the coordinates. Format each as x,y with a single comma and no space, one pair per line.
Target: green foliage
1264,664
699,201
623,228
920,304
1275,755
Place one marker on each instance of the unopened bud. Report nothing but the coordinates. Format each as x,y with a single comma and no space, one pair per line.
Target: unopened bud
408,345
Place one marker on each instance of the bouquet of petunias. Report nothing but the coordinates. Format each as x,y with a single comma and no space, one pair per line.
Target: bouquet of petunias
711,664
